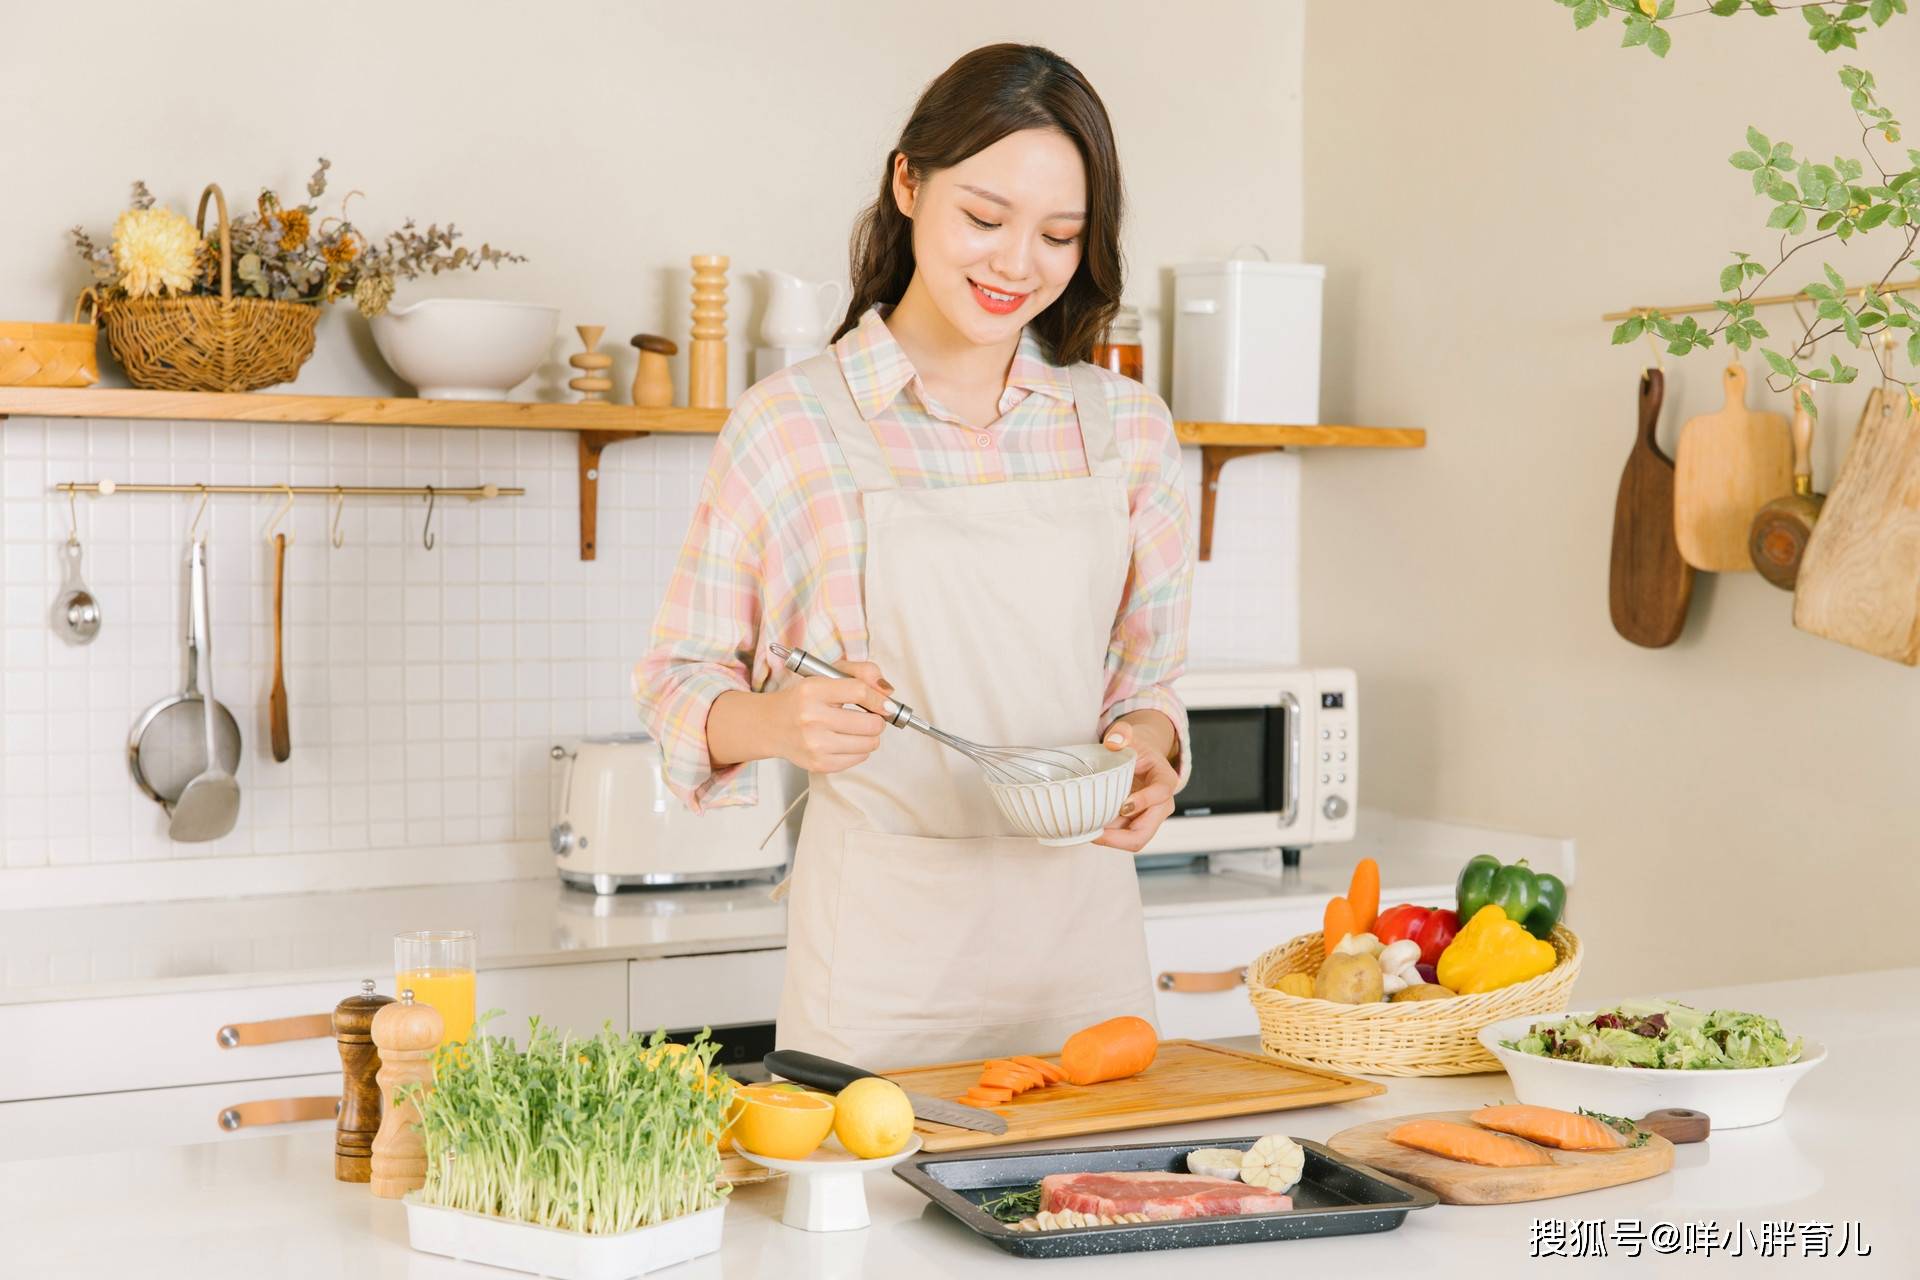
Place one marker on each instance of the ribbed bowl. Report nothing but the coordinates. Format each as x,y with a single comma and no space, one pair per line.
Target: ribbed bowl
1069,810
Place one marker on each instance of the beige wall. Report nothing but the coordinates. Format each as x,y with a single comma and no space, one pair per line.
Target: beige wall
1745,802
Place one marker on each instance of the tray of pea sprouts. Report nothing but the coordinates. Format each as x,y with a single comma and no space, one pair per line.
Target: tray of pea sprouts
572,1157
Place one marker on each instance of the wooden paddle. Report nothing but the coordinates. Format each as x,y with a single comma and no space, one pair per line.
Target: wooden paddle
1731,463
1648,584
281,732
1860,578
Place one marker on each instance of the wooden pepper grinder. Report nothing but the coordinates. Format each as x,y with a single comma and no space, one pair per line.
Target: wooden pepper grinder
406,1035
359,1093
707,361
593,382
652,380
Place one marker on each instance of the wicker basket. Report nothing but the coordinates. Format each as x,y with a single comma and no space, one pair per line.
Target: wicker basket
1417,1038
52,355
210,344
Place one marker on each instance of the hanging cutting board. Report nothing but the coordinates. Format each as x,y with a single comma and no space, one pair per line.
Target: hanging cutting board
1860,578
1648,584
1731,463
1189,1080
1457,1182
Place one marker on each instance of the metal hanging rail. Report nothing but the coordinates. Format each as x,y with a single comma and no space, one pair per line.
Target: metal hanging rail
474,493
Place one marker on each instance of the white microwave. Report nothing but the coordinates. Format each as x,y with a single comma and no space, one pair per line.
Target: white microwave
1276,761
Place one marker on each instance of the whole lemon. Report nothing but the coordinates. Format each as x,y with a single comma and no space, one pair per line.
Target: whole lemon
872,1118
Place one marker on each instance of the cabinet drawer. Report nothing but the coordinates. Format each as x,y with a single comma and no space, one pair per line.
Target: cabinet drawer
722,990
150,1117
161,1041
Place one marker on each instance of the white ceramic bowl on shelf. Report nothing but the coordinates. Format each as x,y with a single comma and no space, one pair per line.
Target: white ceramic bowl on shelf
465,348
1070,810
1731,1099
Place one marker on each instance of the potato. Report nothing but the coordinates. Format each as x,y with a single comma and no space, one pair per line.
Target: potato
1296,984
1349,979
1423,991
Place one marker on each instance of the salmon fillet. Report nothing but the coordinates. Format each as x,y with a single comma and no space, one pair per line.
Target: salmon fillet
1457,1141
1551,1127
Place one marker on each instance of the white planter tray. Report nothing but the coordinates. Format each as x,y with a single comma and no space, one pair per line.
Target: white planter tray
564,1255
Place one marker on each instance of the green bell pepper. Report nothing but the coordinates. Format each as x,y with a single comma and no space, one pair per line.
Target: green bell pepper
1535,899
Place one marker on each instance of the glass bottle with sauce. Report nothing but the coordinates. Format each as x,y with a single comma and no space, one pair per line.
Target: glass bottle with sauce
1119,348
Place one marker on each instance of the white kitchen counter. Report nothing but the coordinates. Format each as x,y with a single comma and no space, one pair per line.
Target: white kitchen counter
86,952
1842,1154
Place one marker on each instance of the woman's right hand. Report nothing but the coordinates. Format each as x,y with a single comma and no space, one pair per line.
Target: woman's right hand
815,722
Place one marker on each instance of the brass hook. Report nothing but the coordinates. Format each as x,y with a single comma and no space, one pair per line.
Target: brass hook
426,530
73,517
334,535
193,530
281,514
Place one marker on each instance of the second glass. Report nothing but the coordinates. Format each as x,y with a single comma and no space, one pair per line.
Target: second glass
438,967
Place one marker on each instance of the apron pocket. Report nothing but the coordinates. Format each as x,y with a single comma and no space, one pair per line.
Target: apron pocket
1073,945
914,931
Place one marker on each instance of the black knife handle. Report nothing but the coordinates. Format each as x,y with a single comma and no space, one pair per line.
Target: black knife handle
809,1069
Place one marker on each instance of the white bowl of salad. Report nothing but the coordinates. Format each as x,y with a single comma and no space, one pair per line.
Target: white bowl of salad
1641,1056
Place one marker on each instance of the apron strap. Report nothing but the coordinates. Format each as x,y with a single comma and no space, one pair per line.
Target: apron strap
856,439
1096,424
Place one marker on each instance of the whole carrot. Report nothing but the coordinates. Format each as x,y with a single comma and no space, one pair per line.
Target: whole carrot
1364,894
1337,923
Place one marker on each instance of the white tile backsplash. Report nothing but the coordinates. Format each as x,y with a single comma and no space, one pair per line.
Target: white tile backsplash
425,687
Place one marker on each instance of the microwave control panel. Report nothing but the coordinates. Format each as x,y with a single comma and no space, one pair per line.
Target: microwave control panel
1333,754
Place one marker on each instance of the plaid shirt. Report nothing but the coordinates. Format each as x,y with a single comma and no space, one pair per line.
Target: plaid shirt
777,549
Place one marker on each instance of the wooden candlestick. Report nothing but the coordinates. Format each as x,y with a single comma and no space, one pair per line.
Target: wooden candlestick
652,379
406,1034
359,1119
593,383
707,359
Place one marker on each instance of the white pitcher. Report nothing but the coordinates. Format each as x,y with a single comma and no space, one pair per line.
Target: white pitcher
799,312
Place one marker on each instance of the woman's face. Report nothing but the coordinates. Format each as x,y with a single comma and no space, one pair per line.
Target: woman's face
997,237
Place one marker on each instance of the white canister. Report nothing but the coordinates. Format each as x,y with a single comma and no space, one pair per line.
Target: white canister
1246,341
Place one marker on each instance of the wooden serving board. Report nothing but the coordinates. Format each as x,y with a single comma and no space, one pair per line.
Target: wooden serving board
1187,1081
1457,1182
736,1170
1648,584
1731,463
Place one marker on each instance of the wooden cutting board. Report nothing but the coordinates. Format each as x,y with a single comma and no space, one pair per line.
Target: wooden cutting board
1648,584
1457,1182
1860,577
1187,1081
1731,463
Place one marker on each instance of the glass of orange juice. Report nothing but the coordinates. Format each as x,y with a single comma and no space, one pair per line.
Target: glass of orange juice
437,966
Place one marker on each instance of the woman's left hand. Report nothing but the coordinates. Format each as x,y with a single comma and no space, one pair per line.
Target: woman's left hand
1151,799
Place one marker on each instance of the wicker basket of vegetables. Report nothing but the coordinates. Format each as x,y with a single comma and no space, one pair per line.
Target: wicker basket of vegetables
1411,999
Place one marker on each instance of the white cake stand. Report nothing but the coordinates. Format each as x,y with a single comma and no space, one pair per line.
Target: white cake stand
827,1191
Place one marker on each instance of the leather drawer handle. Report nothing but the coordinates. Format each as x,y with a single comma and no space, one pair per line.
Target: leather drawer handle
308,1026
1190,983
247,1115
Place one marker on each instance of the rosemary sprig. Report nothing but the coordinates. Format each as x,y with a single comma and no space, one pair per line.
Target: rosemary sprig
1014,1204
1621,1125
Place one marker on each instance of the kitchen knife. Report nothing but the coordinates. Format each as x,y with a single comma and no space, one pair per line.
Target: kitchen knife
825,1073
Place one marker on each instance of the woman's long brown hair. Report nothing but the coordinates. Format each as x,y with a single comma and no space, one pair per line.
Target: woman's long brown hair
992,92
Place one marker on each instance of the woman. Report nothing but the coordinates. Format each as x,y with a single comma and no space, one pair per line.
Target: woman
949,499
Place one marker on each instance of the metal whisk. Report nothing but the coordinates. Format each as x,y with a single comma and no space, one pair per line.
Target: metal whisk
1007,766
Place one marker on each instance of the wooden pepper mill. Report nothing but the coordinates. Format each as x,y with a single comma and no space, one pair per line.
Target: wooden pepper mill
406,1034
593,382
652,380
359,1092
707,359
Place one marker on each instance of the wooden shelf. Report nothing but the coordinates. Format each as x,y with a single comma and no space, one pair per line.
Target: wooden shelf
600,425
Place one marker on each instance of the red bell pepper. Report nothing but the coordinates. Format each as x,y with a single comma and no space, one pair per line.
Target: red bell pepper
1432,927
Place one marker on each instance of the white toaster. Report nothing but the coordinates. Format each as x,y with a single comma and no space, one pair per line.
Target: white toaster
618,826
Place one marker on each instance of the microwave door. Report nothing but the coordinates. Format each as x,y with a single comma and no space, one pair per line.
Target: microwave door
1246,760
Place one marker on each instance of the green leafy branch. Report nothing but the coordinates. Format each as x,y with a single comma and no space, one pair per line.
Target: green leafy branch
1642,19
1838,200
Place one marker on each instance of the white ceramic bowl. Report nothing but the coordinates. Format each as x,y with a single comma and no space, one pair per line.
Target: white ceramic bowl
1069,810
1730,1099
465,348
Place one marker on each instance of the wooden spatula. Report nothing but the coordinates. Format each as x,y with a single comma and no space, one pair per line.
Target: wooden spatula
1731,463
277,700
1860,579
1648,584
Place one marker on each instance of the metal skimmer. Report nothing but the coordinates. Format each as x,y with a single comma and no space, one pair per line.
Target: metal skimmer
1008,766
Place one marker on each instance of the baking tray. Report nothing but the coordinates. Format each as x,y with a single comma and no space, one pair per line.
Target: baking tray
1335,1197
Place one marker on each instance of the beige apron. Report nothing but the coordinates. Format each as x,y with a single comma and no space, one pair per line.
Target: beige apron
920,929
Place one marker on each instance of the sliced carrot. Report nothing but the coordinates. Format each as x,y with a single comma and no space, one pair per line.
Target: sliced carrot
991,1093
1363,895
1049,1073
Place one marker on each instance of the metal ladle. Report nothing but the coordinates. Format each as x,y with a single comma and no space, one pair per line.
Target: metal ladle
75,614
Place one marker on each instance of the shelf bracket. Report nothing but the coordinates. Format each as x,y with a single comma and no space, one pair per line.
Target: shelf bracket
1214,457
591,443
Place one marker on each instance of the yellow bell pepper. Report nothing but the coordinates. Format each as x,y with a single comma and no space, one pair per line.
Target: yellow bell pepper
1492,952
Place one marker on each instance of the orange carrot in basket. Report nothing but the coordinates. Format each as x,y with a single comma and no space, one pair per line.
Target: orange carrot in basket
1364,894
1337,923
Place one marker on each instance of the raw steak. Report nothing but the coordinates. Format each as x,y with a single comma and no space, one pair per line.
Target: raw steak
1158,1195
